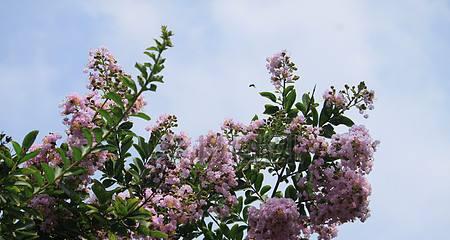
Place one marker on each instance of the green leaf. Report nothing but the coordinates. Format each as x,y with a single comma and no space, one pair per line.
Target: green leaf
300,106
315,116
23,183
259,181
88,135
126,125
305,162
328,131
75,171
112,236
270,109
76,154
17,147
153,87
98,132
49,173
291,192
115,97
9,161
265,189
290,99
129,83
292,113
250,199
29,156
305,99
29,140
325,114
141,115
100,192
158,234
341,119
288,89
63,156
142,69
107,117
70,193
269,95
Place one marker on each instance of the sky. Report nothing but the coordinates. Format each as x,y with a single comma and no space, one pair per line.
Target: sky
400,48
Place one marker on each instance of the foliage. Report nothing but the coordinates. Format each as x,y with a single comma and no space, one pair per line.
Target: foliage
106,182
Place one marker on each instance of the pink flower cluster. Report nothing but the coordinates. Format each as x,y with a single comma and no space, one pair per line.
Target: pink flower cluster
355,148
45,205
368,97
48,153
309,140
138,105
296,124
339,194
251,132
79,113
276,219
335,98
219,174
173,202
104,72
325,231
239,134
281,69
232,126
164,123
174,208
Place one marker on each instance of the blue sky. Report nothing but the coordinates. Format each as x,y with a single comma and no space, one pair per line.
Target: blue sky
400,48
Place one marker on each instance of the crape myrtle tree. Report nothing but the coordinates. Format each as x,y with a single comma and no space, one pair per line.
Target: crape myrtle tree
287,175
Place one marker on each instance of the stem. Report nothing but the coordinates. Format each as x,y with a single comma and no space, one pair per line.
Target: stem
309,104
101,107
277,184
215,221
253,188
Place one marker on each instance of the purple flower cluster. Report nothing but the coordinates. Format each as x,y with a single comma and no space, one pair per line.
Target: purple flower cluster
219,174
276,219
239,134
45,205
47,153
325,232
104,72
368,97
79,113
296,124
339,194
138,105
174,208
173,202
355,148
250,132
281,69
360,97
335,98
309,140
164,123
